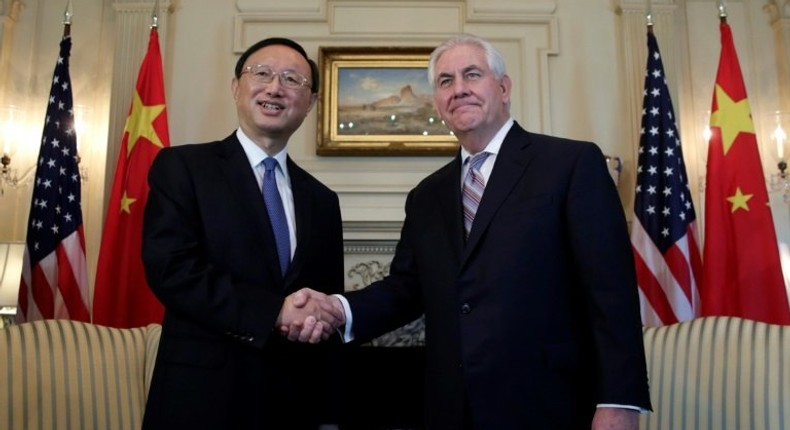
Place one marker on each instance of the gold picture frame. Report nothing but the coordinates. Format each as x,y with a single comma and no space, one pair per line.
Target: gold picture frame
377,101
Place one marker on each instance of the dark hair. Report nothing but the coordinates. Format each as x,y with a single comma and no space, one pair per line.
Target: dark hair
285,42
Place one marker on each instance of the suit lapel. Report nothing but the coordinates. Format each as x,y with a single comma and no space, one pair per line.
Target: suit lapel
303,213
450,205
510,165
244,189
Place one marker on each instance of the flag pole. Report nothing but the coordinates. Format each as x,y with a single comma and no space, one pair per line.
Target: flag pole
722,12
67,14
155,16
67,20
649,16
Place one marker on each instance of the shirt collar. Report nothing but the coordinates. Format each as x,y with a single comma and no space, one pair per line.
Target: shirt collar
495,143
255,154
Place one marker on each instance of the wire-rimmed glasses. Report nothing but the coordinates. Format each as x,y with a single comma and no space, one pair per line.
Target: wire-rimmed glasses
264,74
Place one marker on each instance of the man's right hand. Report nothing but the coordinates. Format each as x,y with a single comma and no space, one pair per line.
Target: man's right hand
310,316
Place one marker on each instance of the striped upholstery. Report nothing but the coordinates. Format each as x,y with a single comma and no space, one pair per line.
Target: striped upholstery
718,373
60,374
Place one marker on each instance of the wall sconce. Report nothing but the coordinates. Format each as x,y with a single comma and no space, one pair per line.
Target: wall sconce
615,166
779,151
703,135
13,131
9,176
81,121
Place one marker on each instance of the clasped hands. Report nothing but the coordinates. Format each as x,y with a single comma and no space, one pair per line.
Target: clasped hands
310,316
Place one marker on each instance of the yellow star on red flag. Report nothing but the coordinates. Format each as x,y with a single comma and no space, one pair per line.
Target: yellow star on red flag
739,200
126,203
140,123
731,117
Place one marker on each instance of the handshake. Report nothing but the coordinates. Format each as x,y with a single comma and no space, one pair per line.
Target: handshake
310,316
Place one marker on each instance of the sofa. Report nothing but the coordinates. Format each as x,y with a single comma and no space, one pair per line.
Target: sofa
707,373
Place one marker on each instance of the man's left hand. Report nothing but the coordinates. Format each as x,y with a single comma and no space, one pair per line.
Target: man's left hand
615,419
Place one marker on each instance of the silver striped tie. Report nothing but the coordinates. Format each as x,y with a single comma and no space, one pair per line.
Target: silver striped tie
474,184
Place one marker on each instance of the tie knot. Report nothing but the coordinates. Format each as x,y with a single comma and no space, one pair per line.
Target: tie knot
270,164
477,160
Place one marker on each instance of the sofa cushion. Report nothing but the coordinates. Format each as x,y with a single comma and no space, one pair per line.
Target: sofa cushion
718,373
67,374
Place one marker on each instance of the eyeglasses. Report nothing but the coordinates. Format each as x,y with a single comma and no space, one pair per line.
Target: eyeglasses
264,74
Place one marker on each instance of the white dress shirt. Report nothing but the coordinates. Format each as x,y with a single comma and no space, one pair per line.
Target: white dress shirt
255,155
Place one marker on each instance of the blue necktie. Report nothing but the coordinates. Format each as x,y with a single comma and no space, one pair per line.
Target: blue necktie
474,184
274,207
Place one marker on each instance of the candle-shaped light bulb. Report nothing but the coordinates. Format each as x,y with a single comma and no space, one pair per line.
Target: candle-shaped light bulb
10,129
79,128
6,145
81,120
706,133
780,137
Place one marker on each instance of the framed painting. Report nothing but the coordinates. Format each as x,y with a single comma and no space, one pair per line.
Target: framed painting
377,101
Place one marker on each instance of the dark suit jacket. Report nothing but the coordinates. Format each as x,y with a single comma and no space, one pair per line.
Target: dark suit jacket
535,319
210,258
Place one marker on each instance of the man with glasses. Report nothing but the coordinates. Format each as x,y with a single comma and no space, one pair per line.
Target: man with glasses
232,228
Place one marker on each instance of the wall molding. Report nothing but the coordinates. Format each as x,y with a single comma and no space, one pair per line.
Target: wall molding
365,247
525,31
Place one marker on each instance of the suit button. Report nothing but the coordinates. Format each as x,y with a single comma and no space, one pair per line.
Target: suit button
465,308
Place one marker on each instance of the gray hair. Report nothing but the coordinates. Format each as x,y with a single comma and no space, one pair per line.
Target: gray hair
494,58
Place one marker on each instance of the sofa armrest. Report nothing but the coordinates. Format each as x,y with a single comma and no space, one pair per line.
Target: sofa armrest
718,373
152,334
68,374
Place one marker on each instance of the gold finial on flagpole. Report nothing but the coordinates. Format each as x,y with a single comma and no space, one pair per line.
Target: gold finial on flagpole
67,14
67,19
649,16
155,15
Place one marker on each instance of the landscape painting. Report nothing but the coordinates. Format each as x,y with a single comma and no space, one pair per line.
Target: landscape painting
377,101
386,101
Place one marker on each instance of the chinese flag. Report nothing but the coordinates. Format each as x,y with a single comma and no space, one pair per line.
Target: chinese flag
742,274
122,297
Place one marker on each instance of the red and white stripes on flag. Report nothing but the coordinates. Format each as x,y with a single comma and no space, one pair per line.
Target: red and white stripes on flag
57,287
668,286
663,232
54,273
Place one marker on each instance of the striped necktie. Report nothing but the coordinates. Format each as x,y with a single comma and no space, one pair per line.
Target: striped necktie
276,211
474,184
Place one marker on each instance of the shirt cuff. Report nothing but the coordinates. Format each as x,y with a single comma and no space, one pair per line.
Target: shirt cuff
613,405
346,333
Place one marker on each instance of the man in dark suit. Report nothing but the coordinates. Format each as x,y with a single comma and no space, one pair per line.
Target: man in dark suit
231,229
517,252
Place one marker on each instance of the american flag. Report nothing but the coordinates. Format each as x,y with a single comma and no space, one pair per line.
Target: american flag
663,234
54,274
